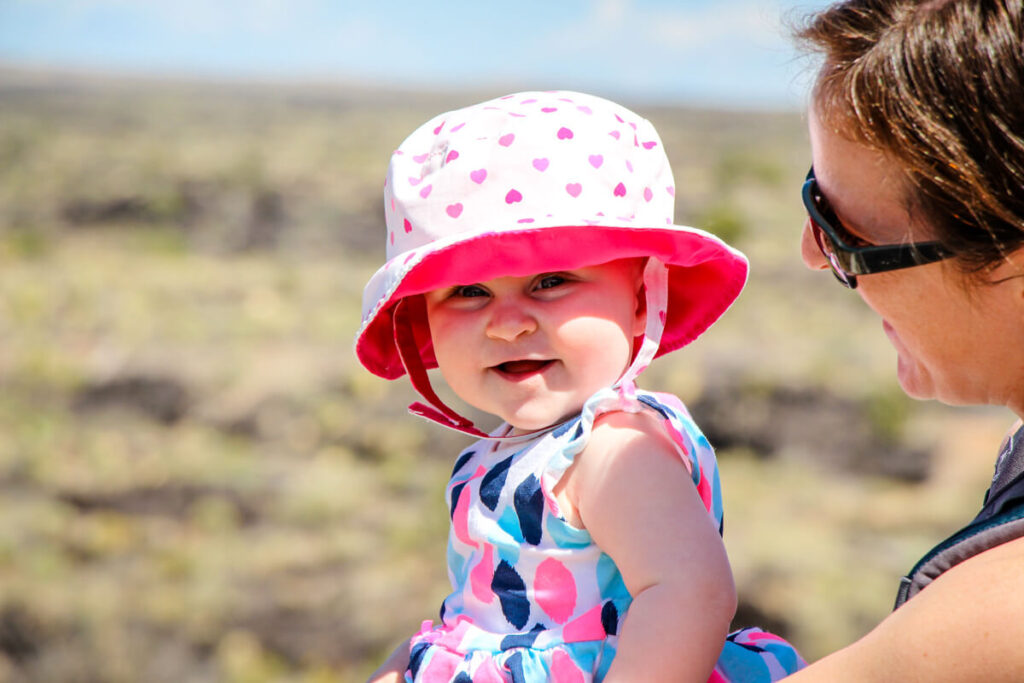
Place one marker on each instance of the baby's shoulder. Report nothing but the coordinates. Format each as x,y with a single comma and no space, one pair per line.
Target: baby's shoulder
668,406
650,433
657,424
677,420
660,410
622,425
651,426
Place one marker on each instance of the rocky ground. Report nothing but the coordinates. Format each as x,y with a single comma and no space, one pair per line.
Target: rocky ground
198,482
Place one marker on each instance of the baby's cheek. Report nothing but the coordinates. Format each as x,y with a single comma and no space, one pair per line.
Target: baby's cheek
604,349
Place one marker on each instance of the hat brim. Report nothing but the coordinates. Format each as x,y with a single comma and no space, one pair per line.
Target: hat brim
705,276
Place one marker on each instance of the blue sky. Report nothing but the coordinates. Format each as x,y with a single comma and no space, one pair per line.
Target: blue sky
706,52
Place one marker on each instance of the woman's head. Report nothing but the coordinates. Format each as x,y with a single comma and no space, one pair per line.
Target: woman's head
935,87
957,340
917,136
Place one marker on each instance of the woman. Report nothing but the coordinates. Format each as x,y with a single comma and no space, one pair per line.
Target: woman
916,200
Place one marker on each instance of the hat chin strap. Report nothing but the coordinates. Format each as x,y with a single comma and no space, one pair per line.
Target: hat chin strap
656,295
406,319
410,315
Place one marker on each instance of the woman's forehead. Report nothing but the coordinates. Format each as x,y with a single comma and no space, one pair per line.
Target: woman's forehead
865,188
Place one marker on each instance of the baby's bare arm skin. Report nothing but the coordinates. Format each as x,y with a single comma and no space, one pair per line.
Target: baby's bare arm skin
636,499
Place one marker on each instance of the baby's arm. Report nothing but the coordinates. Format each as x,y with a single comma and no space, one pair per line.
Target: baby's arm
393,668
637,500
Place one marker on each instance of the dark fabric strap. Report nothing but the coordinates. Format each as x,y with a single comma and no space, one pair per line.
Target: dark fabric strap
1001,520
409,316
1008,474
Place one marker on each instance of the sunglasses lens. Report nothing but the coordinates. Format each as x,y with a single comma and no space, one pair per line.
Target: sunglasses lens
834,256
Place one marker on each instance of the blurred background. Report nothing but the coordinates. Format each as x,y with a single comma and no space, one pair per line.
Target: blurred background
197,480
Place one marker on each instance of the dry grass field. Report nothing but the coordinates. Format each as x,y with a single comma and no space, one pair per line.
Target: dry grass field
199,483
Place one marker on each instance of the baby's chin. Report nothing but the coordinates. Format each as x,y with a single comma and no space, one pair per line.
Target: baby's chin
525,425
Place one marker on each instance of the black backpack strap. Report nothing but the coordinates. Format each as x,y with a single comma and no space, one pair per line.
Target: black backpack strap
965,544
1000,520
1010,464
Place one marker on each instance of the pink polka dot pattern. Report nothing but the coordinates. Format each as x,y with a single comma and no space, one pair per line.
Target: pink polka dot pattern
555,590
501,142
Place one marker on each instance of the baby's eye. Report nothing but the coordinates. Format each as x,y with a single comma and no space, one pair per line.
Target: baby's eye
468,291
551,281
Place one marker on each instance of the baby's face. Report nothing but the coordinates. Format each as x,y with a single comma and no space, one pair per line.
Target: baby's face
532,349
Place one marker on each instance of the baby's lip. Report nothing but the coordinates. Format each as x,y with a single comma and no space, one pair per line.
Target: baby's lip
522,367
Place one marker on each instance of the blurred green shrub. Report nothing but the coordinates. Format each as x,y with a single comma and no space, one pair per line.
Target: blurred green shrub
888,410
725,220
738,166
24,243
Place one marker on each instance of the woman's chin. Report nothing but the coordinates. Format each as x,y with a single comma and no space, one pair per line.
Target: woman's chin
914,379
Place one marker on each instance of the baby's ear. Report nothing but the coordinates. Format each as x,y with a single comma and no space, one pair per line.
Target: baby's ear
640,318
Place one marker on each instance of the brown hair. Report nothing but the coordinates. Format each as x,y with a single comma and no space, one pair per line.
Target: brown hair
937,86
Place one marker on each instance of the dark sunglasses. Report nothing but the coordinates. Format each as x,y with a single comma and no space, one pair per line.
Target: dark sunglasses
849,261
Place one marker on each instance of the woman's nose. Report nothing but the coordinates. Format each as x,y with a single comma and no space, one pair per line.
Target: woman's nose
809,249
509,321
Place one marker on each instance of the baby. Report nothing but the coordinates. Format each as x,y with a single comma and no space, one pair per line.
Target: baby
532,258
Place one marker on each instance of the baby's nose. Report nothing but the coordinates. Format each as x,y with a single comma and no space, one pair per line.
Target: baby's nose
509,322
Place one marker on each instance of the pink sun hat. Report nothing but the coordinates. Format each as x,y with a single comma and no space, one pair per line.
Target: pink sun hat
529,183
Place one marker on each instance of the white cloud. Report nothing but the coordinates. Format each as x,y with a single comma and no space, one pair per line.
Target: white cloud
606,18
234,16
199,16
608,13
681,30
755,23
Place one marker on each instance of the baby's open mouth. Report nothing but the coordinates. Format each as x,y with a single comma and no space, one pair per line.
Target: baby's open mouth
522,367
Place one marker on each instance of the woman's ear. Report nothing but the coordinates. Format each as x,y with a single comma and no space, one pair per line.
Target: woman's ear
1010,268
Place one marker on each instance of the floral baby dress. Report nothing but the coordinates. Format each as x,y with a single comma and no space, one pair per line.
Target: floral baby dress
534,598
